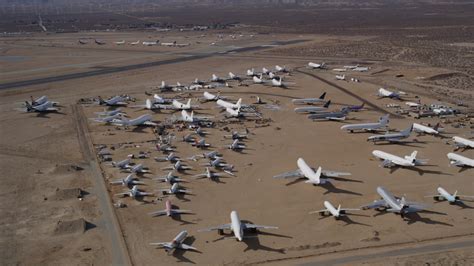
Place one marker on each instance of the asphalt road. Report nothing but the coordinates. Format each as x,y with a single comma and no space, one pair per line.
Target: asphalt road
110,70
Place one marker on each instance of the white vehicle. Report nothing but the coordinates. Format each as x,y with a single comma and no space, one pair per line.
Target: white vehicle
390,160
178,166
392,137
46,107
169,178
169,210
127,181
148,43
313,109
134,193
230,105
413,105
389,203
460,161
383,123
444,195
331,210
310,100
237,227
315,65
143,120
114,101
462,143
313,176
120,42
174,189
384,93
176,243
236,146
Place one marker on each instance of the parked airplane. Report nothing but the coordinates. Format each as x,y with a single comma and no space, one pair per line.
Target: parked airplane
226,104
355,108
331,210
462,143
383,122
137,169
236,146
178,166
209,155
46,107
232,76
127,181
134,193
211,97
41,100
201,144
215,78
219,164
334,116
114,101
392,137
151,43
120,42
169,158
315,65
124,164
390,160
422,129
169,210
281,69
310,100
313,176
313,109
208,174
460,161
181,106
134,43
384,93
444,195
169,178
143,120
110,113
174,189
237,227
176,243
389,203
99,42
237,135
81,41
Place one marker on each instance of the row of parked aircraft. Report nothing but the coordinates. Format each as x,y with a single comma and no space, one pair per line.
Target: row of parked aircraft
145,43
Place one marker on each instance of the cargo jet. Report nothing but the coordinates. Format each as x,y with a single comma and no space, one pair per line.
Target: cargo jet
460,161
462,143
444,195
313,109
169,210
389,203
392,137
331,210
383,122
237,227
176,243
114,101
310,100
316,66
390,160
46,107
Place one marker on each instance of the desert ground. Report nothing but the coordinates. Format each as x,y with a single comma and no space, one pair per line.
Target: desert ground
59,207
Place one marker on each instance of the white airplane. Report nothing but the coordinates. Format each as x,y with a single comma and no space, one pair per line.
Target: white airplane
422,129
384,93
444,195
310,100
134,193
169,178
120,42
201,144
226,104
331,210
315,65
114,101
265,70
236,146
213,155
169,44
305,171
208,174
137,169
41,100
110,113
211,97
219,164
389,203
143,120
278,82
313,109
46,107
232,76
258,80
124,164
169,210
280,69
237,135
341,77
169,158
215,78
178,166
127,181
201,132
462,143
176,243
413,105
234,112
383,122
134,43
237,227
390,160
251,72
174,189
181,106
460,161
151,43
392,137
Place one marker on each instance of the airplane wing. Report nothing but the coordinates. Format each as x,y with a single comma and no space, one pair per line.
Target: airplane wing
146,194
149,123
184,191
178,211
256,226
291,174
320,211
431,196
199,176
187,247
157,213
374,205
387,163
329,173
219,227
123,194
344,209
336,118
161,244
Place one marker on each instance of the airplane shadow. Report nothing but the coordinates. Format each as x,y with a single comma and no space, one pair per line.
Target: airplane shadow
182,196
463,205
178,216
330,188
419,170
179,253
414,217
346,179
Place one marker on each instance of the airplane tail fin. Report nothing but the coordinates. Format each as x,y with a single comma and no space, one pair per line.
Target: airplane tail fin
362,105
339,208
188,104
412,157
322,96
408,130
28,106
148,104
326,105
239,103
455,194
192,114
101,101
384,119
403,201
436,126
163,84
